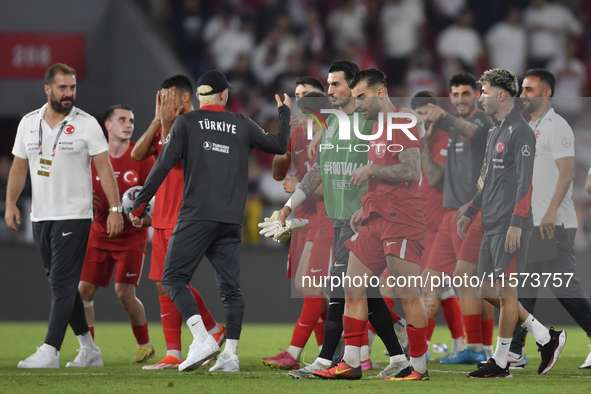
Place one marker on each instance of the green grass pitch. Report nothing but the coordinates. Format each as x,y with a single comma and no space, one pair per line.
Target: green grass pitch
19,340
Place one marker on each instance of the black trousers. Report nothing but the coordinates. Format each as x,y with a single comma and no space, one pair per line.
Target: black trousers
62,247
572,297
219,242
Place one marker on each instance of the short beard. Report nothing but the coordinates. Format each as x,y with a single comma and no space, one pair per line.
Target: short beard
531,108
59,108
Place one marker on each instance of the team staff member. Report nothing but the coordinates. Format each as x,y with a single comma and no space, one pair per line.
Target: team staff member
555,219
504,195
56,143
124,254
213,146
173,99
451,255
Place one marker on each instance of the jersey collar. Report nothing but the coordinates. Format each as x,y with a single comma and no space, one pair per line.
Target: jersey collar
215,108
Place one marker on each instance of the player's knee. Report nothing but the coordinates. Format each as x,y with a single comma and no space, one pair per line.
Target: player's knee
232,298
86,291
160,289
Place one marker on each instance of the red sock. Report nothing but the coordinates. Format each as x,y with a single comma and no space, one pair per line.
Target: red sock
365,337
453,316
91,329
488,326
430,329
390,303
354,331
473,326
208,320
311,311
417,340
141,334
319,328
171,323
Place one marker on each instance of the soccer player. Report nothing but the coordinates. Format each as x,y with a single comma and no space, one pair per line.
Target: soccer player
341,201
214,146
433,156
125,253
552,246
504,196
450,255
56,143
317,237
389,229
172,100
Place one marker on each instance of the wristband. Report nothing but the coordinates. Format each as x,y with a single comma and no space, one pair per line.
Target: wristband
296,199
421,129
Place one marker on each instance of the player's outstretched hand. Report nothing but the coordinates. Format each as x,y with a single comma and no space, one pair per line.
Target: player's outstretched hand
463,226
114,224
286,100
12,214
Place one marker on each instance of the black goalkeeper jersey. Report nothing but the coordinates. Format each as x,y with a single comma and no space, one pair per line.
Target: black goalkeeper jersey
213,146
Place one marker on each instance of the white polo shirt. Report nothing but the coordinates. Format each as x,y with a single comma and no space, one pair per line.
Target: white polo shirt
554,140
67,193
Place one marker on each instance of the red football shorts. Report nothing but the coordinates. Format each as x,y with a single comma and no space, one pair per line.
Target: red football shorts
299,239
99,265
380,237
448,247
159,247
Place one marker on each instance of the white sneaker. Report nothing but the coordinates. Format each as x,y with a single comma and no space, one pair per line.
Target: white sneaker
517,361
223,364
307,372
587,363
199,352
400,329
87,358
41,359
392,370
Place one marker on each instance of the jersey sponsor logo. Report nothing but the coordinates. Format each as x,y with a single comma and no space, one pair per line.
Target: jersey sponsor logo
66,234
131,177
525,150
129,275
380,149
566,142
390,243
478,122
340,167
216,147
537,133
315,270
33,131
222,126
500,146
341,185
69,129
299,151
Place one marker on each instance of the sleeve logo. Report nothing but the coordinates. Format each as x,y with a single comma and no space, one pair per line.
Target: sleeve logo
566,142
525,150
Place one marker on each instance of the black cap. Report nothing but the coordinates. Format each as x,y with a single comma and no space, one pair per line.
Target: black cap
216,79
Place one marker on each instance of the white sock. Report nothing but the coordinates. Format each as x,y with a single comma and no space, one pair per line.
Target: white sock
175,353
197,328
145,344
214,330
428,345
364,353
294,351
488,350
319,349
399,360
400,326
502,352
419,363
458,344
231,348
477,347
48,348
86,341
352,356
539,332
325,362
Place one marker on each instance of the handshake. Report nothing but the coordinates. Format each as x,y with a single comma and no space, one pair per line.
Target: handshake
272,227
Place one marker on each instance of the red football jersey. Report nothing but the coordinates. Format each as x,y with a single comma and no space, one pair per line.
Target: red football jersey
298,148
395,202
128,173
431,197
169,196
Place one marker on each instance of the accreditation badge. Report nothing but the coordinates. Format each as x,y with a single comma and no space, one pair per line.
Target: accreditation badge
44,167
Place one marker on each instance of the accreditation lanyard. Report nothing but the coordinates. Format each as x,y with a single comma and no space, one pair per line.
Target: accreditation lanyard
45,164
540,120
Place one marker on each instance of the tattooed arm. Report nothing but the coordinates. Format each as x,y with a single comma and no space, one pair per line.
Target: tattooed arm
434,171
466,129
312,180
408,170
